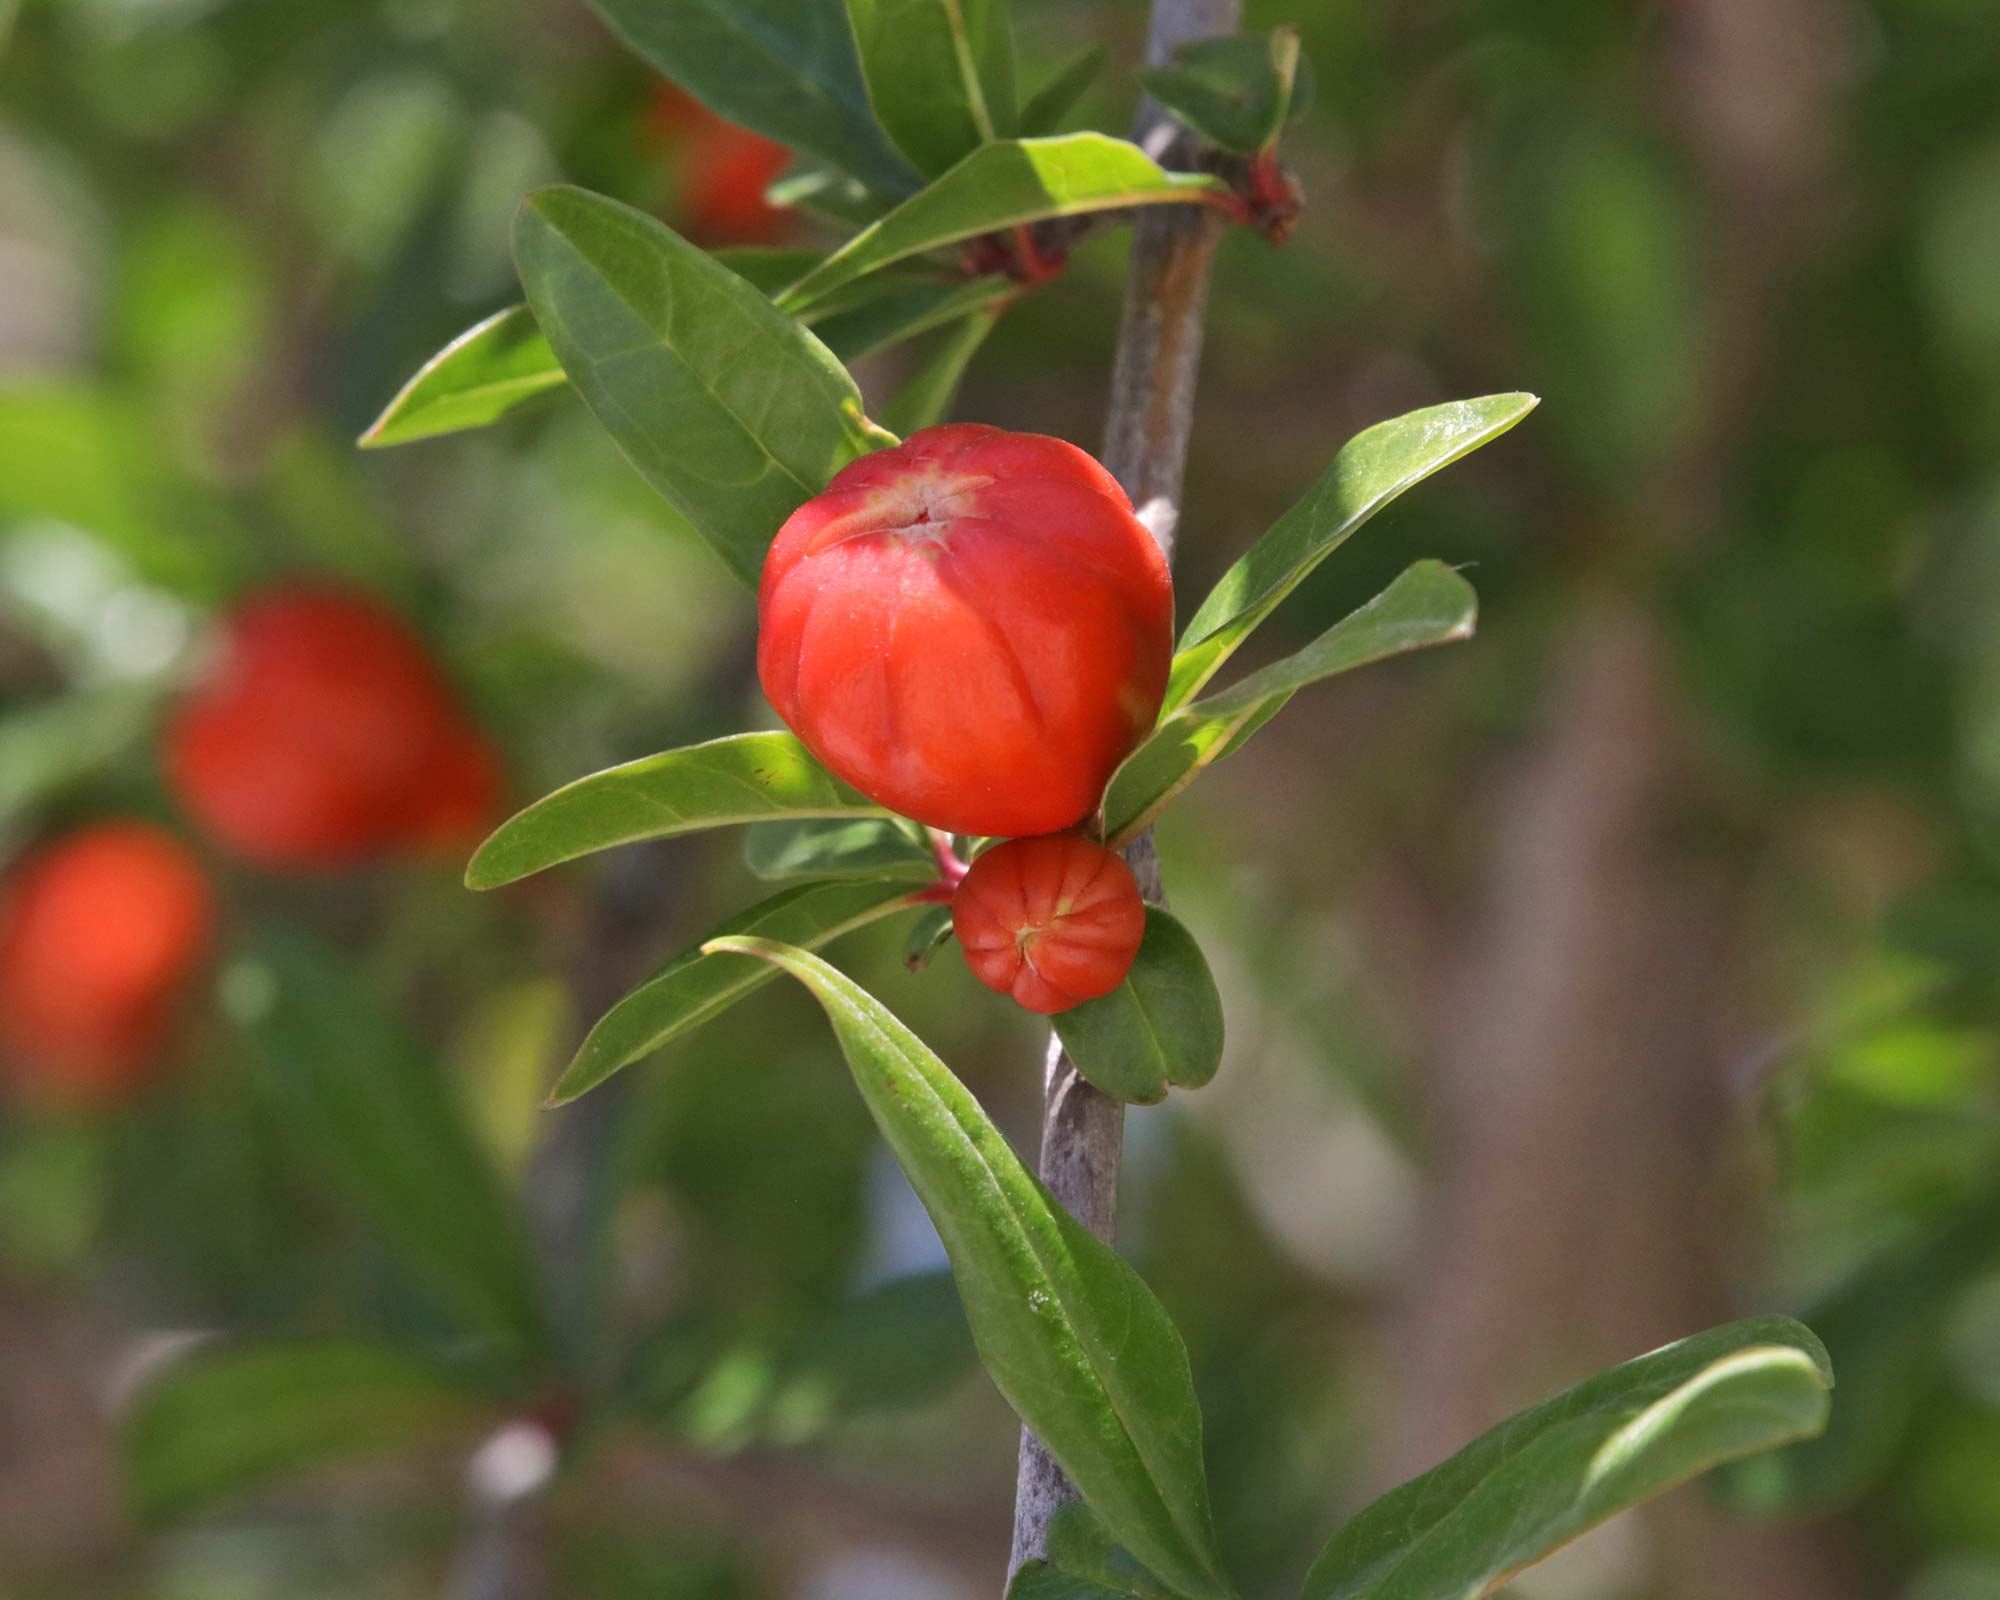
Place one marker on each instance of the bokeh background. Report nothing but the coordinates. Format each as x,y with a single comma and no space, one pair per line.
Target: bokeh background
1629,968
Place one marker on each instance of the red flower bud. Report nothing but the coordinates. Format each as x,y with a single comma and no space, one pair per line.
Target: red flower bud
972,629
1052,921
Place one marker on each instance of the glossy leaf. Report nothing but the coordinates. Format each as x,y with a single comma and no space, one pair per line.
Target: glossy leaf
940,74
927,397
695,986
731,409
1237,93
745,777
1371,470
1522,1490
1044,110
494,367
381,1119
1003,185
1070,1334
829,848
228,1420
1160,1028
784,69
1428,605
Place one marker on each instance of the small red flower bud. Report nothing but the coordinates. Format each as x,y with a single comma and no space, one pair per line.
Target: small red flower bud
100,933
972,629
324,736
1051,922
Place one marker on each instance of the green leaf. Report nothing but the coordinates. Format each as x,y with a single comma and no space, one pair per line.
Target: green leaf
494,367
897,1344
745,777
382,1120
1161,1027
928,935
871,848
1037,1580
826,195
1070,1334
1882,1326
1080,1546
1371,470
1237,93
1428,605
1004,185
786,70
730,408
905,312
940,74
1522,1490
223,1421
927,397
1045,109
696,986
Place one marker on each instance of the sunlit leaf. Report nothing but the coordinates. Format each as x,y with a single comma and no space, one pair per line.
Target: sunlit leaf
1070,1334
1428,605
494,367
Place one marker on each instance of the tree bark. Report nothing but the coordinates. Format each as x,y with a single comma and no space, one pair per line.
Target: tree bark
1150,418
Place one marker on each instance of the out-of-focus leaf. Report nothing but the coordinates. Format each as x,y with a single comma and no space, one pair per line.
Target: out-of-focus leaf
1428,605
501,1056
928,935
1160,1028
1003,185
827,195
1882,1328
1371,470
44,748
695,986
1081,1546
745,777
493,368
383,1122
926,398
786,70
1045,109
906,312
1070,1334
1037,1580
898,1344
731,409
223,1421
1524,1489
940,74
1237,93
872,848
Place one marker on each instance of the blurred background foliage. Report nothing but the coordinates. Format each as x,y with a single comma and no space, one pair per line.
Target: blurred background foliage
1631,967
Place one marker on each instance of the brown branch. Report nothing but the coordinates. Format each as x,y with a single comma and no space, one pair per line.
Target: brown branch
1146,433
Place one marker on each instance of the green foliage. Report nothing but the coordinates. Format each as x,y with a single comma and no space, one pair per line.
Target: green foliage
745,777
1236,93
733,411
1428,605
786,70
1043,112
1372,469
836,849
493,368
381,1121
697,985
1160,1028
1522,1490
927,397
1069,1333
228,1420
940,74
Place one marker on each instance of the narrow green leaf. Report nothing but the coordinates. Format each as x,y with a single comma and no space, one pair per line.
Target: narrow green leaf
745,777
1160,1028
826,195
695,986
1371,470
1003,185
381,1119
906,312
928,935
830,848
1070,1334
1236,92
1428,605
927,397
227,1420
1522,1490
940,74
730,408
784,69
1045,109
494,367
